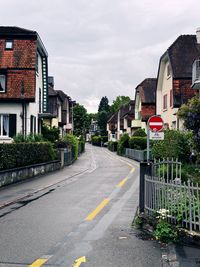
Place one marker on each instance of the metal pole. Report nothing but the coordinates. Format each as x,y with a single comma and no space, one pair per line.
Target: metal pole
148,133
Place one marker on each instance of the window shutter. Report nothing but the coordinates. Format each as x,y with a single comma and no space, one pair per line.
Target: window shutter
12,124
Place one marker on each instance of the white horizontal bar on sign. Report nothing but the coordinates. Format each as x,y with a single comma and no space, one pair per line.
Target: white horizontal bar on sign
156,123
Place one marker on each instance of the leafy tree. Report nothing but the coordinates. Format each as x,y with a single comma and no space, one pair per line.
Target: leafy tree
103,105
118,102
102,122
190,114
80,120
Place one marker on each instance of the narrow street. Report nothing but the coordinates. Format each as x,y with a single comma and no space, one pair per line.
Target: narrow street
80,216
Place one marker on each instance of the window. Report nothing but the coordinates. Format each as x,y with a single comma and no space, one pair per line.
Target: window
9,45
4,125
168,70
165,102
171,98
2,83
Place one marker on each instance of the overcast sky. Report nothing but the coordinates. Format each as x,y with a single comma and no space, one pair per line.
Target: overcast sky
103,47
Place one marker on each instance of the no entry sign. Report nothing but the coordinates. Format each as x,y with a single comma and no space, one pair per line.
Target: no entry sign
155,123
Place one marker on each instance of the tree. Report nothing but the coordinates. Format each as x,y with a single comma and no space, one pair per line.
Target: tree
102,122
103,105
190,114
118,102
80,118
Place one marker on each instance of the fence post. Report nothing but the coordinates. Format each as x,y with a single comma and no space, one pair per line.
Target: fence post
62,157
145,169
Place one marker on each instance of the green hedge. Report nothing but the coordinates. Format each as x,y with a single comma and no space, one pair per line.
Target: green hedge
73,141
23,154
140,132
96,140
81,146
138,142
112,146
123,144
175,145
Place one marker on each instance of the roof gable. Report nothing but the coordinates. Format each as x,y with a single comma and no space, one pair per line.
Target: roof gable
147,91
182,54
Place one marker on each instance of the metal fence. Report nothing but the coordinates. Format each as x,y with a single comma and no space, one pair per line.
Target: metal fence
178,201
139,155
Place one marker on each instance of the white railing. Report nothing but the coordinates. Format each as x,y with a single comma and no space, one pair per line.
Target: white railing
180,201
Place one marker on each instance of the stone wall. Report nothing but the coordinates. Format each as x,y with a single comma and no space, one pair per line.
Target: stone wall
19,174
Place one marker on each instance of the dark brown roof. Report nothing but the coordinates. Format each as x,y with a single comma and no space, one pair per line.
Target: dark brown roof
51,91
13,30
182,54
127,109
147,91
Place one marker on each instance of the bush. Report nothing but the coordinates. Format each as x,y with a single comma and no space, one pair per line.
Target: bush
96,140
62,144
140,132
73,141
112,146
137,142
50,134
165,232
23,154
123,144
104,139
81,146
20,138
175,145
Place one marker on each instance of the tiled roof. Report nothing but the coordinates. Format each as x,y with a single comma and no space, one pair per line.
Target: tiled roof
13,30
182,54
147,91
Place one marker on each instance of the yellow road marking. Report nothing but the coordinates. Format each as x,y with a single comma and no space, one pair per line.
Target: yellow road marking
122,182
93,214
133,169
79,261
38,263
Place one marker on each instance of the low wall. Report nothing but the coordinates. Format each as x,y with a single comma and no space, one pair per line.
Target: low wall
19,174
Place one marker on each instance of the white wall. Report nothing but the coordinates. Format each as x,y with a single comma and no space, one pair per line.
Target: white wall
165,84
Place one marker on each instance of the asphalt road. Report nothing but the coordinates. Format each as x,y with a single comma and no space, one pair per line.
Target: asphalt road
80,216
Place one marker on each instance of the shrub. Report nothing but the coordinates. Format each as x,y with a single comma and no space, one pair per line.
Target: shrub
24,154
122,144
104,139
73,141
140,132
96,140
20,138
81,146
175,145
50,134
112,146
165,232
137,142
62,144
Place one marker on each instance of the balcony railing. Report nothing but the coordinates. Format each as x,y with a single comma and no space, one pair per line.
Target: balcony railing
196,74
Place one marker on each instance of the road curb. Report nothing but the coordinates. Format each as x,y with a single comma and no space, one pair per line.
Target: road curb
169,257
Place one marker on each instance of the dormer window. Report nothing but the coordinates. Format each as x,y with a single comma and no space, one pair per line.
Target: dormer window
9,45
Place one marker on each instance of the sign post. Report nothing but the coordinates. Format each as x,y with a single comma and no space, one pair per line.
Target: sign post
154,126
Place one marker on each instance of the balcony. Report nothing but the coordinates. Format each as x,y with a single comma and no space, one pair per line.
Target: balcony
196,74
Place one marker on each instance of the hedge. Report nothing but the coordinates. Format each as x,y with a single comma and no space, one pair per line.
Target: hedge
138,142
123,144
112,146
73,141
23,154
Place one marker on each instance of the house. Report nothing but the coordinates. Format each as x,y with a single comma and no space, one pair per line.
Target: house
120,122
60,109
175,78
23,82
145,103
196,67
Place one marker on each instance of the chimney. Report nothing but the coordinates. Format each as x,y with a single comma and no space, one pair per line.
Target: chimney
198,35
51,81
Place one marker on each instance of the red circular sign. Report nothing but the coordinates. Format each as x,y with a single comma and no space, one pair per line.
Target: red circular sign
155,123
